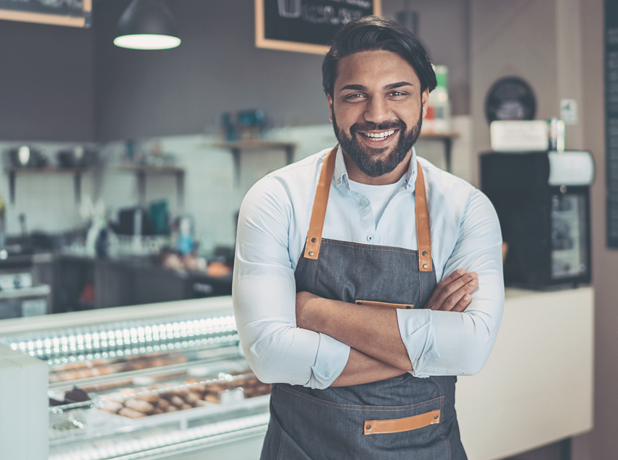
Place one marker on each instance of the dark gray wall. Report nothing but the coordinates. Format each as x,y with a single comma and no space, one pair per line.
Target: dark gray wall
46,82
216,69
69,84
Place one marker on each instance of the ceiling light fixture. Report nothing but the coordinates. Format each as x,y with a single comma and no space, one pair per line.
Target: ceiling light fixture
147,25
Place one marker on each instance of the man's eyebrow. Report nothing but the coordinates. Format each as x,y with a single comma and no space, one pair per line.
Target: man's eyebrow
354,87
399,84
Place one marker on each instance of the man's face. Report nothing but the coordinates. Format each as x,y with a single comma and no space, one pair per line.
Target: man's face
377,109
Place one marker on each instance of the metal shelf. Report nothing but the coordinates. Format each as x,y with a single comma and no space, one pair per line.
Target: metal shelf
447,139
236,147
76,172
142,171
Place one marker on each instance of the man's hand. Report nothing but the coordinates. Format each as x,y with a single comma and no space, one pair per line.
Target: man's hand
453,293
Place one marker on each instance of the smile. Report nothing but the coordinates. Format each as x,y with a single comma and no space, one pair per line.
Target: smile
379,136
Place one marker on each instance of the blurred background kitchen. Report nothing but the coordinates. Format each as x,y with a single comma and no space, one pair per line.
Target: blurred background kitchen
124,170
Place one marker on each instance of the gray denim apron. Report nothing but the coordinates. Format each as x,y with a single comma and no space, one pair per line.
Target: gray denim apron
398,418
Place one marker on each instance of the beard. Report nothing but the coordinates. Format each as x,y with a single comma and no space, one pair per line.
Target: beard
377,162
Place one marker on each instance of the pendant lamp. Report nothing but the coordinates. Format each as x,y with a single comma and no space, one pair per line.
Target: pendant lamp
147,25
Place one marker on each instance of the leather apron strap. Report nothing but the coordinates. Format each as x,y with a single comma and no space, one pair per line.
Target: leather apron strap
314,235
318,214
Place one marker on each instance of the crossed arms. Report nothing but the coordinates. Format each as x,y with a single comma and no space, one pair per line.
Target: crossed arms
303,340
377,350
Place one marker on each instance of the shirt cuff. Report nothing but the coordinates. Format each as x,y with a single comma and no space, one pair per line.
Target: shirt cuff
331,358
417,333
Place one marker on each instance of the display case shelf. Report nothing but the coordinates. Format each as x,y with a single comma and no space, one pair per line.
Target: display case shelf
143,385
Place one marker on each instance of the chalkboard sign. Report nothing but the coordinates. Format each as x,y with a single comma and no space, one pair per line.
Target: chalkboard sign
611,119
306,26
75,13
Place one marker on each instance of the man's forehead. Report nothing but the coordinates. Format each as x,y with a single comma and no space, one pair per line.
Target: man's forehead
378,66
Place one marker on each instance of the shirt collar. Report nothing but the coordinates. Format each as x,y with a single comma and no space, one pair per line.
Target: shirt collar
341,173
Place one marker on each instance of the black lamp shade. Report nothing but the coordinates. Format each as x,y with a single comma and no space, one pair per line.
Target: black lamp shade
147,24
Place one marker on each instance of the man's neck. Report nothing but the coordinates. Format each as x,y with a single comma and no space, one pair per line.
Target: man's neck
355,173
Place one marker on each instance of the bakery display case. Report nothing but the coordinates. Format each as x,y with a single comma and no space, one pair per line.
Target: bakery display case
155,381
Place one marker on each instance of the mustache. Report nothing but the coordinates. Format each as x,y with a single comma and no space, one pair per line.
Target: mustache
390,124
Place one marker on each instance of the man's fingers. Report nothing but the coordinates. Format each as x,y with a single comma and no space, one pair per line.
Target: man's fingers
455,286
444,284
463,303
452,277
452,301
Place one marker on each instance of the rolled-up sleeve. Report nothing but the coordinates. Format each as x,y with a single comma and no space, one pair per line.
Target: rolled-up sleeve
452,343
264,296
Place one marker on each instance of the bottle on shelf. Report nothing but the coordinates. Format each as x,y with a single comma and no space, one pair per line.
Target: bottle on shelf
438,119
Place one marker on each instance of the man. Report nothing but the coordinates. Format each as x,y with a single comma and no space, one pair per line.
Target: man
338,257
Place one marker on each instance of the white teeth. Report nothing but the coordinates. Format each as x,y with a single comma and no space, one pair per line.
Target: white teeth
380,136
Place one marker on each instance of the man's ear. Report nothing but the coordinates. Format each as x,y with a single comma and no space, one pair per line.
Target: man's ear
425,101
330,107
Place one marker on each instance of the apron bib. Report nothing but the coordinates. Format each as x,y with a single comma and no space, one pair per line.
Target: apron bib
403,417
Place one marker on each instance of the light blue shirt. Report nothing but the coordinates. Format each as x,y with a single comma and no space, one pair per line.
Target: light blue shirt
272,229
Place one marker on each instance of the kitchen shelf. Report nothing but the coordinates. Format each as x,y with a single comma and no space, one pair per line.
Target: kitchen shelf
76,172
236,147
447,139
142,171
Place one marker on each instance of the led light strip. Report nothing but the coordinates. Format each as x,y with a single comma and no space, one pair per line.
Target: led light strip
120,339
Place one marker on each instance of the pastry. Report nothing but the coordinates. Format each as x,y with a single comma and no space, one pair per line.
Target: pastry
140,406
112,406
163,403
127,412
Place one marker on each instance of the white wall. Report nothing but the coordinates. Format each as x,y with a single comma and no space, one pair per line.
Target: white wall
211,194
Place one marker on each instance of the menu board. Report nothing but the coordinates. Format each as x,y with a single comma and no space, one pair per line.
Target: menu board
75,13
306,26
611,119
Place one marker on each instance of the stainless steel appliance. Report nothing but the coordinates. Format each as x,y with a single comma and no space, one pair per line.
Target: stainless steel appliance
21,293
543,203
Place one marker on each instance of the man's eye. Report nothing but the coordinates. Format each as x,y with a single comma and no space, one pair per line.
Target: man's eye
354,96
398,94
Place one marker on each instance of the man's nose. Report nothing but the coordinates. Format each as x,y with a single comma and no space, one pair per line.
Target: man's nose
377,111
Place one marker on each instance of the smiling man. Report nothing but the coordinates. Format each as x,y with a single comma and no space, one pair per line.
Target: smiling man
336,290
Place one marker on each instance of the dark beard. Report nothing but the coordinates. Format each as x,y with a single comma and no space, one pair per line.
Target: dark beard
370,160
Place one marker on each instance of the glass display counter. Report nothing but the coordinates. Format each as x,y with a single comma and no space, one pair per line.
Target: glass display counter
160,387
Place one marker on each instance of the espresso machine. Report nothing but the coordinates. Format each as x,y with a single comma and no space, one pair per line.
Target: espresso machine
543,203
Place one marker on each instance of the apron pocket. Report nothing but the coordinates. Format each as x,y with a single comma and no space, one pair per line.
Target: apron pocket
403,432
370,303
400,425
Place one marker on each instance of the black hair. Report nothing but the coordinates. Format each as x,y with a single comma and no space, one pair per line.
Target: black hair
374,33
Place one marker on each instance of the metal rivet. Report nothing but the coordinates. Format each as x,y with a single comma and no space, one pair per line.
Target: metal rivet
310,253
369,427
424,265
313,240
425,253
436,417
